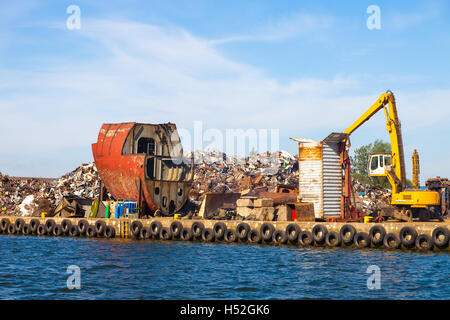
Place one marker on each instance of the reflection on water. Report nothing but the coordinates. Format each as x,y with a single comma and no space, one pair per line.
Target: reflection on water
35,268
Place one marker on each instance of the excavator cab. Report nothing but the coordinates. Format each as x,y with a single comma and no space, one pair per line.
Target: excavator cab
378,164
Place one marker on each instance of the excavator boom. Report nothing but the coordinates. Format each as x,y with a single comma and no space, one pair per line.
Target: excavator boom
397,175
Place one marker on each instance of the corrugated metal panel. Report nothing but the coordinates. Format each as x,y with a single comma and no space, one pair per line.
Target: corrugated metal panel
310,176
332,180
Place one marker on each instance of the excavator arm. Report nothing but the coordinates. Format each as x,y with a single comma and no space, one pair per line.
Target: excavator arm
396,173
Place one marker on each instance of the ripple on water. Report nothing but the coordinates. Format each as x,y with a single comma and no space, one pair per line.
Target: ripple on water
36,268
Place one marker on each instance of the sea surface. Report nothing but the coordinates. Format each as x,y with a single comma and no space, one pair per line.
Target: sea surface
37,268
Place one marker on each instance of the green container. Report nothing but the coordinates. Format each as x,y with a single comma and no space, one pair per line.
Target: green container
107,212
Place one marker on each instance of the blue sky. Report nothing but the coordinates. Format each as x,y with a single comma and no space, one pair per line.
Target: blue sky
307,68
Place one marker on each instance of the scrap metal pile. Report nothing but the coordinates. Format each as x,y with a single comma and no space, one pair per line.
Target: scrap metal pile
215,172
33,196
369,198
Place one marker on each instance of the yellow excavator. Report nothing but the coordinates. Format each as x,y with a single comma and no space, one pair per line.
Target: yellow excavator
406,204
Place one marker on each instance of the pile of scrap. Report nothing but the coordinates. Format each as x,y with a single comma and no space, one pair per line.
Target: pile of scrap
34,196
217,173
369,198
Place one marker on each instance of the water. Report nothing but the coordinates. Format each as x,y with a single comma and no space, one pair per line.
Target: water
35,268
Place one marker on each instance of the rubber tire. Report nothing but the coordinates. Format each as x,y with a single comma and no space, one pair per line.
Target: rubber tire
441,243
377,242
90,231
347,239
100,226
319,232
155,228
266,231
82,226
49,225
34,223
254,236
186,234
19,223
412,240
135,228
66,225
110,232
4,225
305,238
175,229
242,231
41,231
424,238
12,229
197,229
333,239
57,231
165,234
358,240
145,233
208,235
230,236
26,230
279,237
387,241
292,232
74,231
219,230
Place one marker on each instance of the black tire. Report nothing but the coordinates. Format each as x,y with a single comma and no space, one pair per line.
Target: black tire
347,233
155,229
376,235
57,230
292,232
424,242
197,229
219,230
279,237
136,227
4,225
208,235
12,228
408,236
319,232
391,241
26,230
175,229
110,232
34,223
254,236
100,226
82,226
66,225
333,239
230,236
266,231
49,225
242,231
186,234
41,230
440,237
362,240
145,233
305,238
90,231
19,223
74,231
165,234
